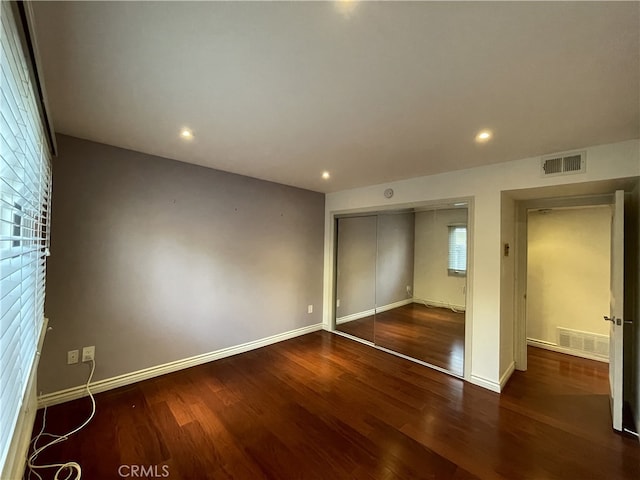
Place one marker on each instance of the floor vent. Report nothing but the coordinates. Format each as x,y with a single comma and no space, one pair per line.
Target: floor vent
564,164
585,342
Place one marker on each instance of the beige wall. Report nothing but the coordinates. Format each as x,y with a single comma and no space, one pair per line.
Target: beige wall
568,271
482,187
154,261
432,282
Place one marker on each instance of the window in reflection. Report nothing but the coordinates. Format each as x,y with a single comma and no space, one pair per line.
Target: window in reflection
457,249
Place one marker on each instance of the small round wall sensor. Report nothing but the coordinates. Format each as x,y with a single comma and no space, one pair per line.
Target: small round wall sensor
388,192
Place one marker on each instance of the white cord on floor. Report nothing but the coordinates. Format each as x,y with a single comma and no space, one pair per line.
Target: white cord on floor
70,467
449,306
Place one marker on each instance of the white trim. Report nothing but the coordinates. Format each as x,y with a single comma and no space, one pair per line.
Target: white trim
420,362
391,306
355,316
435,303
147,373
398,354
485,383
507,375
19,447
468,289
556,348
354,338
368,313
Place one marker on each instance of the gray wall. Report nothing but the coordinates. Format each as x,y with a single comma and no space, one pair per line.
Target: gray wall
356,265
375,261
396,233
154,260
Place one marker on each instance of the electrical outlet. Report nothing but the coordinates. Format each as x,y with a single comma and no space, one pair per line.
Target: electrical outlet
88,353
310,309
72,357
338,303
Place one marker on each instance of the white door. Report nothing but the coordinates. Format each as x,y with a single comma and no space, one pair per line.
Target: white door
616,309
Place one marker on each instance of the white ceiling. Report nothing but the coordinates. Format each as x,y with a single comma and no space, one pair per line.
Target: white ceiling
390,90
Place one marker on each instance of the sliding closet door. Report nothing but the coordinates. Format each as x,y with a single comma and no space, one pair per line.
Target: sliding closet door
394,283
401,282
356,276
440,279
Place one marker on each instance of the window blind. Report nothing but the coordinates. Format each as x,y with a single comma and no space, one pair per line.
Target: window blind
25,177
457,249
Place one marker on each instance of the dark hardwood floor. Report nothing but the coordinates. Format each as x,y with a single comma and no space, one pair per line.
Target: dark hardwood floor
323,406
363,328
433,335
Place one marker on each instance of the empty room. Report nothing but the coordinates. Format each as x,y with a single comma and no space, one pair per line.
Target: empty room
319,239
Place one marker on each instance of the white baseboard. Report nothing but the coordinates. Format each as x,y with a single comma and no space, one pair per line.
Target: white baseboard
147,373
556,348
507,375
368,313
355,316
485,383
435,303
391,306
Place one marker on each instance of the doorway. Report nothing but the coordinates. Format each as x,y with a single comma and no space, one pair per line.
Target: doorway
548,201
568,266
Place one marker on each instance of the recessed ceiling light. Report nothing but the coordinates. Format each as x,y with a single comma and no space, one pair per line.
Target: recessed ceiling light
483,136
346,7
326,175
186,133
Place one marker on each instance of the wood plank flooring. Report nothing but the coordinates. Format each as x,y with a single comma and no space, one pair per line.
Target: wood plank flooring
322,406
433,335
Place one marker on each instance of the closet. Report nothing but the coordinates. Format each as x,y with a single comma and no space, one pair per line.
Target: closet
401,282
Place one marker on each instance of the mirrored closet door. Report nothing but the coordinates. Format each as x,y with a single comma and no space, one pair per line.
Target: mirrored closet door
356,276
401,282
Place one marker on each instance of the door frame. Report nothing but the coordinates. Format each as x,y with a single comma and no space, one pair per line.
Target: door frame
520,290
616,310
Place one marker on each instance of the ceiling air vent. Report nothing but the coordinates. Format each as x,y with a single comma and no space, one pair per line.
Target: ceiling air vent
564,164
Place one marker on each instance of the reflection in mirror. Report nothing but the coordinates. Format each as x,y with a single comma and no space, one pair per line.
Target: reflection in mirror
410,269
431,328
356,276
394,282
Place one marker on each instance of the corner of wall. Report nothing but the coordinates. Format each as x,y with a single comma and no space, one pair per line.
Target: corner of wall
507,284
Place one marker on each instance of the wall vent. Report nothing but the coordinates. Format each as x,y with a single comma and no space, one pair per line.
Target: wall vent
585,342
564,164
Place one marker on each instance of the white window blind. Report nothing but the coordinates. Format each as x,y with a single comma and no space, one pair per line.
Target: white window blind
25,175
457,250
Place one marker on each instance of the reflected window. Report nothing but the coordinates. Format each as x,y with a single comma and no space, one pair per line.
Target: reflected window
458,250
